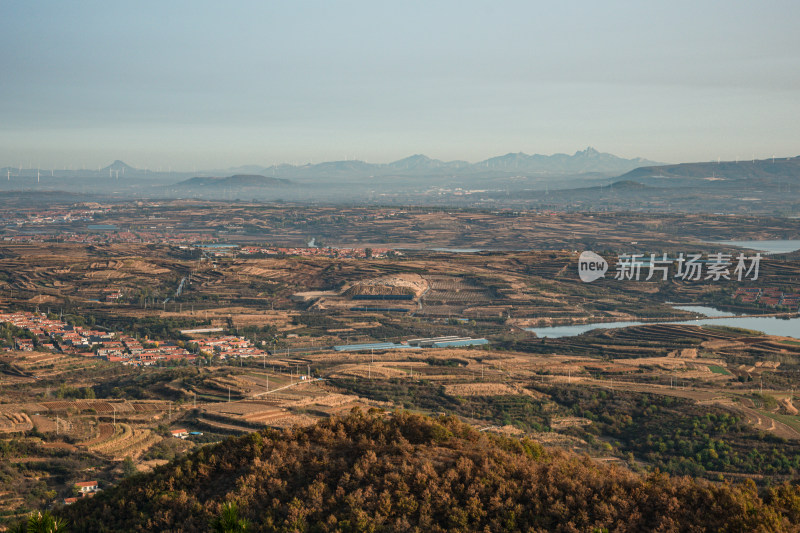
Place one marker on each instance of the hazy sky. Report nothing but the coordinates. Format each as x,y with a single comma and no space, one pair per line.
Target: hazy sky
202,84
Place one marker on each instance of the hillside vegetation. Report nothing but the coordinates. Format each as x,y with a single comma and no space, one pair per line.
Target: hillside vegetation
404,472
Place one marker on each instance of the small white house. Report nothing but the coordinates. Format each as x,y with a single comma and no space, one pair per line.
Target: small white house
86,487
179,433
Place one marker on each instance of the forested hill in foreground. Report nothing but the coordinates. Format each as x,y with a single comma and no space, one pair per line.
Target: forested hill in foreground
402,472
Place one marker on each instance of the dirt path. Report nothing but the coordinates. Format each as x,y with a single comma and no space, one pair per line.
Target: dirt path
258,395
766,423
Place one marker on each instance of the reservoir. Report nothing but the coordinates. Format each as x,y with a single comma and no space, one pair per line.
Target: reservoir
102,227
769,247
768,324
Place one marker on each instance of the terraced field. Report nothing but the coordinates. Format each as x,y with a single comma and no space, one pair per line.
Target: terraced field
121,441
104,432
499,388
14,422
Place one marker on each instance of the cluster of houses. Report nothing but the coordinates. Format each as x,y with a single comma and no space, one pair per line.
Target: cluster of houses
55,335
55,216
344,253
768,297
129,351
229,346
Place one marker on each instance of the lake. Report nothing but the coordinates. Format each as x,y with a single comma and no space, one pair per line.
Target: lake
768,324
102,227
710,312
769,247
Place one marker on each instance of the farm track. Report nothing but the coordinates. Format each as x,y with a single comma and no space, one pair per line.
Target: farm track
765,422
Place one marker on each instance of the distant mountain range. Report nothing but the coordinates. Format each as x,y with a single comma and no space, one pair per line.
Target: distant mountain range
414,174
588,161
585,180
581,162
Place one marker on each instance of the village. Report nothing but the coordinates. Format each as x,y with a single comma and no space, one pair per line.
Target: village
768,297
52,334
340,253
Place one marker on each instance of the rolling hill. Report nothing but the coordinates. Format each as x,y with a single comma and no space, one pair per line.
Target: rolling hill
760,171
404,472
238,181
